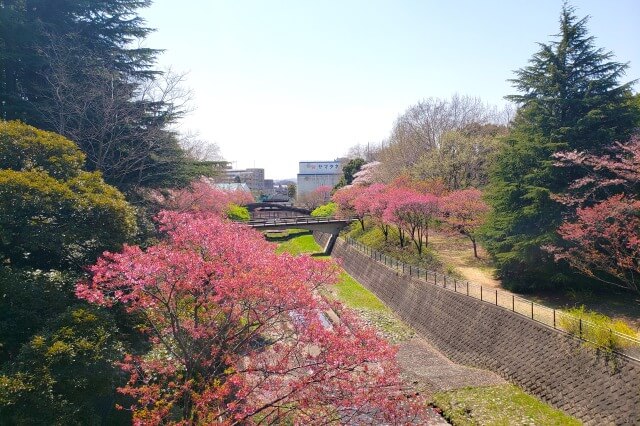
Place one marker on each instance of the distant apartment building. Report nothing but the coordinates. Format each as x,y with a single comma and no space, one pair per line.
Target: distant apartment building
254,178
314,174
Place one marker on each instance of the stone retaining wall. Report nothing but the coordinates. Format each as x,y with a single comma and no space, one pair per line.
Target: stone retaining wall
552,365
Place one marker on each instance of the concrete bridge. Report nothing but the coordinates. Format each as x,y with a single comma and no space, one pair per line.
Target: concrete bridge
328,225
275,211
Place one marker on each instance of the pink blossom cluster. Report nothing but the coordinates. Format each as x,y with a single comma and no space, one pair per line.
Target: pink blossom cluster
412,208
238,334
602,235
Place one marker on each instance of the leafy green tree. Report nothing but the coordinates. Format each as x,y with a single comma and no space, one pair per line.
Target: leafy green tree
52,213
462,158
30,299
570,99
238,213
348,172
56,354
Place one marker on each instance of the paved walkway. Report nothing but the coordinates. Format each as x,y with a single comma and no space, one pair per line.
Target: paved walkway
429,371
434,372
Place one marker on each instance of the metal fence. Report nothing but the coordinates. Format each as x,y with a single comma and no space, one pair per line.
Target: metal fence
589,332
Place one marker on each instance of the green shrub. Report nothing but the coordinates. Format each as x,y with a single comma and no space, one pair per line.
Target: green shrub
239,213
52,213
326,210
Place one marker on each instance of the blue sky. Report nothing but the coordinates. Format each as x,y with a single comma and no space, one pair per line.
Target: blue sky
278,82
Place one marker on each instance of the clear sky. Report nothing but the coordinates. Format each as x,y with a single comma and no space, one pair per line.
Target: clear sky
282,81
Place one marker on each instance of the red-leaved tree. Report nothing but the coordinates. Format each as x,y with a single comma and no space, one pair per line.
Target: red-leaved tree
603,235
465,212
605,242
238,333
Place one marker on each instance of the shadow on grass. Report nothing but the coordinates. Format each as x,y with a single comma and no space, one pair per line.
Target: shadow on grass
280,237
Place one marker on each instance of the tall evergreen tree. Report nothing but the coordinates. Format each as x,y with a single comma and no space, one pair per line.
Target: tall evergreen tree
102,29
570,99
69,66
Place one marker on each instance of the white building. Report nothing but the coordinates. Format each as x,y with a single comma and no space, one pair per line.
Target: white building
313,174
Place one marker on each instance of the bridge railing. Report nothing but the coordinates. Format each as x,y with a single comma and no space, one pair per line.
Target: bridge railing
294,220
587,331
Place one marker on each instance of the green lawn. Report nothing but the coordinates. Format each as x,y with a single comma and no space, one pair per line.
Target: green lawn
295,242
498,405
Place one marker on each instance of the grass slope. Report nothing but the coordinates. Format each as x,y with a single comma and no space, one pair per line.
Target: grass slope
498,405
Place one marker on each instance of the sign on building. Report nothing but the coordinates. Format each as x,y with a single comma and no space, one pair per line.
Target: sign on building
320,168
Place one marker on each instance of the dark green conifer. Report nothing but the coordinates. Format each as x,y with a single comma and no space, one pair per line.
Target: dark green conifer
570,98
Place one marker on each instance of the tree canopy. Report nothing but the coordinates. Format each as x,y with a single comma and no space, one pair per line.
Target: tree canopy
238,333
52,212
72,67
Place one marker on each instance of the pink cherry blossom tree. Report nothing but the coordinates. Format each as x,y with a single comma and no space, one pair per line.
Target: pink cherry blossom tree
319,196
204,196
413,213
238,335
345,199
376,196
465,212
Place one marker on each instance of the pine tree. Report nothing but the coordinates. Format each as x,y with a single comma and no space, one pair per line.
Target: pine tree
102,28
69,66
570,99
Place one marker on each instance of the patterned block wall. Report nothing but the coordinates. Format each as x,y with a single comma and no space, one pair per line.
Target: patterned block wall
552,365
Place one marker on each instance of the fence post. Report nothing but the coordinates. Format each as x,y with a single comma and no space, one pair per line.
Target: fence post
480,292
467,288
531,310
554,318
496,297
513,303
581,328
410,270
455,285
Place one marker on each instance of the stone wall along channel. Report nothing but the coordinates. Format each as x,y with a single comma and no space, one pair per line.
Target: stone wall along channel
594,386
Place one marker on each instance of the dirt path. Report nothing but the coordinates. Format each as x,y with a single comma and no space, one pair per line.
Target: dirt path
457,254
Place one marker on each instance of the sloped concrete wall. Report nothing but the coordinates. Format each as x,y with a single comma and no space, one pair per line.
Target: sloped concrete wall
550,364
